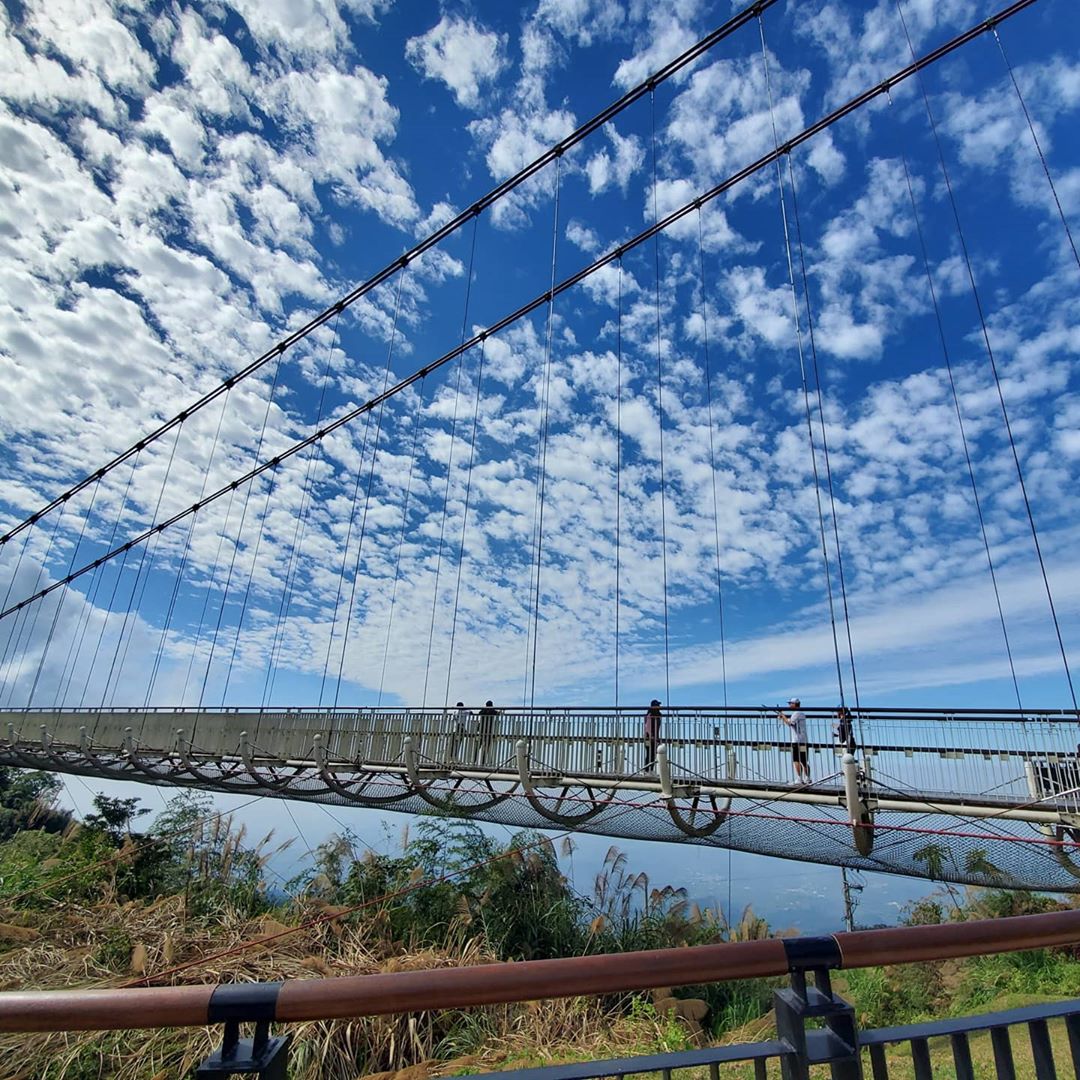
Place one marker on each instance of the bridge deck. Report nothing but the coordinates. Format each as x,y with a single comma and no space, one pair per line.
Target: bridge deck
997,793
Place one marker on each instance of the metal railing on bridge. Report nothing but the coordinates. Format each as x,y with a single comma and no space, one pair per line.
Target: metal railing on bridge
814,1025
1004,755
1002,788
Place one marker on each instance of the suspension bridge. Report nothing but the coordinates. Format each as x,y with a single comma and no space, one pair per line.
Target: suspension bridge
311,523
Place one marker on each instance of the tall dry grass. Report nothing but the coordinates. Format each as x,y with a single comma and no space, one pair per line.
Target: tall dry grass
105,944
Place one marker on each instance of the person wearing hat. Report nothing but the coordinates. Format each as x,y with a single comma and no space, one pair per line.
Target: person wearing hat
652,733
799,741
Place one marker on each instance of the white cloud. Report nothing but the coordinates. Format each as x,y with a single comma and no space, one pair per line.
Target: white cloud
668,39
460,54
606,169
305,26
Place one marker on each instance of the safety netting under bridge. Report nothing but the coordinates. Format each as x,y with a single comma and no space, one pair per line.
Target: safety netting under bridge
969,798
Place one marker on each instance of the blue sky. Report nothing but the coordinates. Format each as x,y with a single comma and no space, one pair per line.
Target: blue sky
181,185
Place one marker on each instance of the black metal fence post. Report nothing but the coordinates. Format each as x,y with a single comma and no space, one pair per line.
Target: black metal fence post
262,1055
835,1044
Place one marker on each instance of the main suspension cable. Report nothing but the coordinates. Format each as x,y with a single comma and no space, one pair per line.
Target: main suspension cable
673,67
570,282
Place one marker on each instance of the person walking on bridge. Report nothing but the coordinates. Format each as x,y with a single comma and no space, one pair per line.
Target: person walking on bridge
487,727
652,733
800,744
462,722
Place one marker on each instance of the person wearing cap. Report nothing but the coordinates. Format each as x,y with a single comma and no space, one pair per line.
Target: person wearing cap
652,733
487,727
799,741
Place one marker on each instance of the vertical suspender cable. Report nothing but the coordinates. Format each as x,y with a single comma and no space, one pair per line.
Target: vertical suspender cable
545,421
211,582
256,460
367,494
63,596
116,585
712,454
449,462
660,408
7,595
993,365
820,393
355,500
1038,147
185,555
274,474
961,426
138,586
42,569
300,529
75,647
802,368
465,518
418,412
618,479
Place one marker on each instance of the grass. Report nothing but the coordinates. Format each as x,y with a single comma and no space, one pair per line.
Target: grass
80,927
92,944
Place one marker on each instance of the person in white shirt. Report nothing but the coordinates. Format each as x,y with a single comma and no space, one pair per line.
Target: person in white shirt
799,740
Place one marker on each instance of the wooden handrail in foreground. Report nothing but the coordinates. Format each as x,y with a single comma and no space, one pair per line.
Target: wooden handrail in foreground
490,984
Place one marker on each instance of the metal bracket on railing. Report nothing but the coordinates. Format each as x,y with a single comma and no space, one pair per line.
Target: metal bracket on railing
183,748
262,1055
86,748
521,751
663,768
409,753
835,1044
245,754
859,813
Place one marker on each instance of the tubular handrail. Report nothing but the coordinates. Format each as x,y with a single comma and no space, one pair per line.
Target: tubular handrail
502,983
869,712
